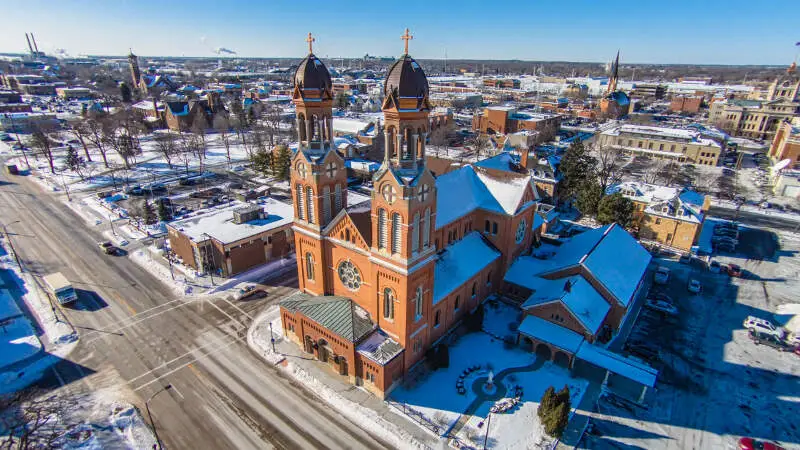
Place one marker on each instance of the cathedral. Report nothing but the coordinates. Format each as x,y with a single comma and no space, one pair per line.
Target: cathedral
615,104
383,281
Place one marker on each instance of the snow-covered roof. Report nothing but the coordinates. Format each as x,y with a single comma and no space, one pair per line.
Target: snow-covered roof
8,307
618,262
672,134
466,189
616,363
459,262
351,126
219,224
379,347
554,334
580,298
681,204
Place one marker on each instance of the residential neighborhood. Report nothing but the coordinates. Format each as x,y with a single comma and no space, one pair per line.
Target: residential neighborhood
205,246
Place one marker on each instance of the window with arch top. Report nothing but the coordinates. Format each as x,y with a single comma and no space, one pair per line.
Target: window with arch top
310,266
388,304
397,232
418,304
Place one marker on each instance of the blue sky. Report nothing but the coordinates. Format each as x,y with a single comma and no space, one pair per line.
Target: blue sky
678,31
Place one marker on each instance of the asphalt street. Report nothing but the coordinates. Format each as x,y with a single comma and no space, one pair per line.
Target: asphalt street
134,331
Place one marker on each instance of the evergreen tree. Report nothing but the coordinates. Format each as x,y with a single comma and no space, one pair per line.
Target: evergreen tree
126,93
262,161
555,422
562,397
589,195
283,160
341,101
148,214
74,161
546,403
576,168
163,212
615,208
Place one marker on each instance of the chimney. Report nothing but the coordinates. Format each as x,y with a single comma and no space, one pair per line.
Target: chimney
29,43
523,157
34,44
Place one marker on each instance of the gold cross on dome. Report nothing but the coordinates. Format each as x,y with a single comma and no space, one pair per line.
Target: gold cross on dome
406,37
310,39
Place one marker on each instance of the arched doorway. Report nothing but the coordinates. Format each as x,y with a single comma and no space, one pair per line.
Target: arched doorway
543,351
527,344
561,359
308,344
343,366
323,352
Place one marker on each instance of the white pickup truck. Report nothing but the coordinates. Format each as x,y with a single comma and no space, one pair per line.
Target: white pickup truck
763,326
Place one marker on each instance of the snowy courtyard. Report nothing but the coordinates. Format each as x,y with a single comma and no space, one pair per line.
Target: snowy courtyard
436,401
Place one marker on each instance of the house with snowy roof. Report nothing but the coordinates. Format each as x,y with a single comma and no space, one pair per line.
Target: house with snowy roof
667,215
184,115
576,299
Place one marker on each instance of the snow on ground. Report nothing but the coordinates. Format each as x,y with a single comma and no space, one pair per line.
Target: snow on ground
258,338
501,321
520,428
18,341
181,284
270,269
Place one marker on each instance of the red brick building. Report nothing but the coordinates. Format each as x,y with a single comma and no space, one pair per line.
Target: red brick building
686,104
382,281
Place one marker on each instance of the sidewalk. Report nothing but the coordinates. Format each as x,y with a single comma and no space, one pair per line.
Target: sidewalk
580,418
361,407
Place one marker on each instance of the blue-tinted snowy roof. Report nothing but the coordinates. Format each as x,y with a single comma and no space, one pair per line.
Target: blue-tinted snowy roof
551,333
460,262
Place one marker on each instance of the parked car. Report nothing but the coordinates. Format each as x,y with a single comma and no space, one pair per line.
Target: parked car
769,340
251,292
731,225
748,443
714,266
685,259
661,306
726,239
108,248
734,270
763,326
694,286
725,247
729,232
661,275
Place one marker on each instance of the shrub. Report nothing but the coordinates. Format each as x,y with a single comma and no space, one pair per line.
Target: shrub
547,403
557,420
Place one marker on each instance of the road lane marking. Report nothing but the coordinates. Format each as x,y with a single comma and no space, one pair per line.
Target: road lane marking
188,353
105,333
204,356
229,316
122,300
175,388
121,321
240,309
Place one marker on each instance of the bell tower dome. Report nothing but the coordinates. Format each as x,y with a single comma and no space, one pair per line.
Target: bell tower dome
313,100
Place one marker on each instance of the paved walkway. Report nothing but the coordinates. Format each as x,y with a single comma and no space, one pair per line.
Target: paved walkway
482,397
577,424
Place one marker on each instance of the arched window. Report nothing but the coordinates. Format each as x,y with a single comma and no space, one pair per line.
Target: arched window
474,286
388,304
415,234
326,204
397,232
309,266
458,300
338,200
382,229
418,303
437,318
310,204
426,229
301,207
488,227
347,234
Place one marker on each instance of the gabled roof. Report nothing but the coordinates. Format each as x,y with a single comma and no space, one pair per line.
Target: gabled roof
379,347
545,331
339,315
461,261
464,190
581,299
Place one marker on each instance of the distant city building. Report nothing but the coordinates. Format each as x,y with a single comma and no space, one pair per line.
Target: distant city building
669,216
786,144
74,93
648,90
615,104
684,146
760,119
686,104
503,120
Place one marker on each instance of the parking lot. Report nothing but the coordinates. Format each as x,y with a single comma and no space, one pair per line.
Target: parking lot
715,384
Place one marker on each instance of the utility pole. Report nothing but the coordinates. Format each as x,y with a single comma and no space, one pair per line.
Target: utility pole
11,245
147,407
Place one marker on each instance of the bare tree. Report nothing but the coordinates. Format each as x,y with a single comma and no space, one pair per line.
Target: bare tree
40,139
199,127
271,123
167,146
223,127
609,165
30,420
79,129
95,134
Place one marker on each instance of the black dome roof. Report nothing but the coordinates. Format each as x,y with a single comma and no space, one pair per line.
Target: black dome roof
312,74
406,79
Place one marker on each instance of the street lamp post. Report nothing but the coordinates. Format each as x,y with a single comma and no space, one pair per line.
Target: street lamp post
488,423
147,407
11,245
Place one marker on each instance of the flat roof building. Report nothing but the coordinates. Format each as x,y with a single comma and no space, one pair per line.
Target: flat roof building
684,146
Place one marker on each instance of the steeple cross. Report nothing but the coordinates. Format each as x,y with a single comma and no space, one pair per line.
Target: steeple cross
310,39
406,37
